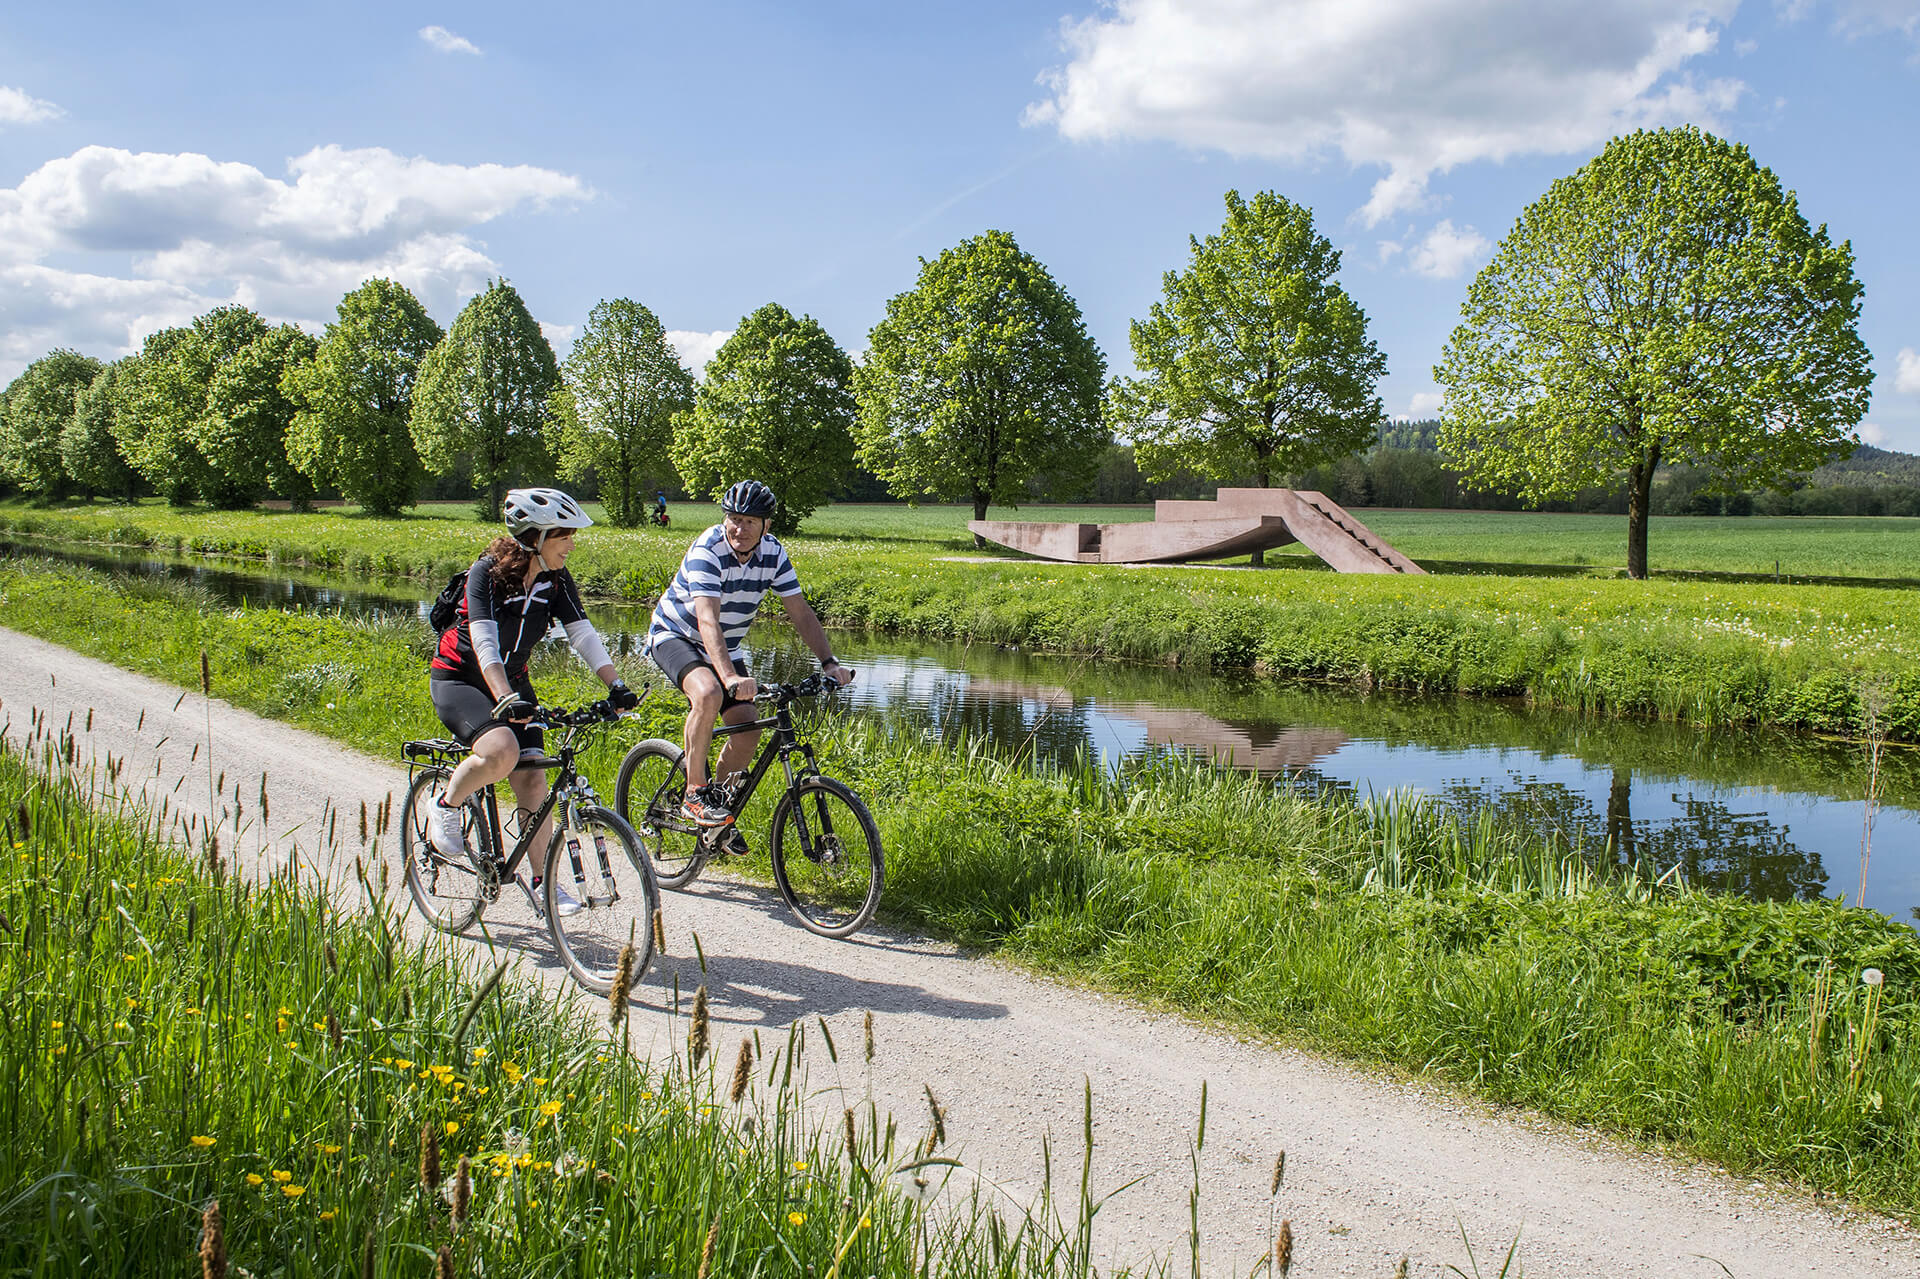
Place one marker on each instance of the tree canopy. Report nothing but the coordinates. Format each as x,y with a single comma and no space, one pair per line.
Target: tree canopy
38,407
979,378
1256,363
482,393
89,446
1665,304
355,398
776,407
623,389
151,415
243,432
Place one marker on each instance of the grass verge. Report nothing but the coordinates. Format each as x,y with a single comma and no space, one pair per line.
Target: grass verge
1795,657
1386,932
252,1073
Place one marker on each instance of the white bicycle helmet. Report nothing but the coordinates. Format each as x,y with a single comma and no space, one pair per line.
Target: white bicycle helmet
542,510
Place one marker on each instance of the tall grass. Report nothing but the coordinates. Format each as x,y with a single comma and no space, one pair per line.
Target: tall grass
357,1105
1484,953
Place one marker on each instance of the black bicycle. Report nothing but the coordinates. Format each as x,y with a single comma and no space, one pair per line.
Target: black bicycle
826,852
611,878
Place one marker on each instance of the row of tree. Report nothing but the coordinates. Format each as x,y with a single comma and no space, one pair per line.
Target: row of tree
1667,305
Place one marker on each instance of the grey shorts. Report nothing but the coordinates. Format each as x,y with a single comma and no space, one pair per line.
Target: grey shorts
677,659
467,711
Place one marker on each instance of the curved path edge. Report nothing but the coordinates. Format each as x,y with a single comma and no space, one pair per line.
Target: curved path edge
1376,1168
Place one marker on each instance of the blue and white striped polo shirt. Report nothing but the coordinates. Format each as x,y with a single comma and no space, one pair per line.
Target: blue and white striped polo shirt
712,569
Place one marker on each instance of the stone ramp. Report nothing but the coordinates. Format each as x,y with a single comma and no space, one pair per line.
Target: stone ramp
1238,521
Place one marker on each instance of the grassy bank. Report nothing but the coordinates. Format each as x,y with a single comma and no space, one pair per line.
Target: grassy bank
1795,657
357,1106
1387,932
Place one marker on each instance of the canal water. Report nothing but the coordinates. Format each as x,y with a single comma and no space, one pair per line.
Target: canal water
1772,815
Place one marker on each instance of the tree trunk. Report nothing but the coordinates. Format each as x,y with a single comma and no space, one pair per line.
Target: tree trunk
1260,479
979,513
1639,503
1620,817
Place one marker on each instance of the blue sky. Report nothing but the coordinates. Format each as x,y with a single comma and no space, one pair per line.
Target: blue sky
707,159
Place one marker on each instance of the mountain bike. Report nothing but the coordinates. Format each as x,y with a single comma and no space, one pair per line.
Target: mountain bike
611,876
827,860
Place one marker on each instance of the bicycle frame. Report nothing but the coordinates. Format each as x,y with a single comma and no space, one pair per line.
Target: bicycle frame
567,787
783,744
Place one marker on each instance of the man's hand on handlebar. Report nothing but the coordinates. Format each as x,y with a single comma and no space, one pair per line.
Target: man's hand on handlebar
840,675
745,688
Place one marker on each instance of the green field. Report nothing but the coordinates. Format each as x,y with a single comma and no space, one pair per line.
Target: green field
1484,954
1703,652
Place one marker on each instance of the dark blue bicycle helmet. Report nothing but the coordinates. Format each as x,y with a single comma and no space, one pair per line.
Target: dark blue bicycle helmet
749,497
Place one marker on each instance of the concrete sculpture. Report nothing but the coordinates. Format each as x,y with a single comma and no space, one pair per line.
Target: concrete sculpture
1236,522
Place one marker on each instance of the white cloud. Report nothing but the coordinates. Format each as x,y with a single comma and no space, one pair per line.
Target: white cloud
1746,48
697,348
170,235
1874,434
1447,251
1856,18
559,336
1414,87
1424,404
447,42
1906,376
17,106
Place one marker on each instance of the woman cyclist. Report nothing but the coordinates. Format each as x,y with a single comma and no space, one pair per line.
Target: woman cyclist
515,592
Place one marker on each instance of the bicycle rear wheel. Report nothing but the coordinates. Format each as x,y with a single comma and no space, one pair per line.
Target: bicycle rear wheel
827,859
617,893
447,891
652,782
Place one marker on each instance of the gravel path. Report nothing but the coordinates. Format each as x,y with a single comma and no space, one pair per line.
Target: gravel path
1375,1168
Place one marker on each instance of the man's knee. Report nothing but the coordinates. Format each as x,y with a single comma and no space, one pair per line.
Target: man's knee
703,691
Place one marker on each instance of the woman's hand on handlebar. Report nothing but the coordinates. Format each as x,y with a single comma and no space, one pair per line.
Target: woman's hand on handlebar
513,707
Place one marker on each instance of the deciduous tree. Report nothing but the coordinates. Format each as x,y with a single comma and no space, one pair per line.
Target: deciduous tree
1666,304
775,407
89,446
243,432
1256,363
355,398
624,388
39,405
978,378
151,418
482,394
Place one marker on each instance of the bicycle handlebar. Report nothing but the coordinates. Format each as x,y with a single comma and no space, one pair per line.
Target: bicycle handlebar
780,694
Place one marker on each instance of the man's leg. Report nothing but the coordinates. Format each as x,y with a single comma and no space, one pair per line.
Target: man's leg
737,753
704,696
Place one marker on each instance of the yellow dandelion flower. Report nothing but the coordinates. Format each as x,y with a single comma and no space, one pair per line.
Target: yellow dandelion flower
539,1081
796,1218
327,1215
549,1108
452,1127
193,1012
866,1223
329,1150
285,1012
255,1179
59,1025
401,1063
202,1142
478,1053
282,1175
293,1192
799,1165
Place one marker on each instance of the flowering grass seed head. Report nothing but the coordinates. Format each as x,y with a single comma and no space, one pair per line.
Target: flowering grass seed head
1279,1173
622,986
706,1249
1283,1249
698,1039
742,1070
939,1117
213,1243
462,1190
429,1156
866,1027
659,931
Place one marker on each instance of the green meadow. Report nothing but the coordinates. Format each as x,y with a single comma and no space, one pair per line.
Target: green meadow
1483,954
1791,655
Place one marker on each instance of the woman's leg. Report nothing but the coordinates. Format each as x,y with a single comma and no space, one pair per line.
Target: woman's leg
529,792
493,756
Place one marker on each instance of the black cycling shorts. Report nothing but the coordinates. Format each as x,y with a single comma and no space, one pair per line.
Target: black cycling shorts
467,711
676,658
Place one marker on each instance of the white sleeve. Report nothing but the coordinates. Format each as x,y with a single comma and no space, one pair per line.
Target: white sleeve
486,642
586,642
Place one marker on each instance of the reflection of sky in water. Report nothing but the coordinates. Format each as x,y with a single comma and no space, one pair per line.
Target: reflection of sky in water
1757,838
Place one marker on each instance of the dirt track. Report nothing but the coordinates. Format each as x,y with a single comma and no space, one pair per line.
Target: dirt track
1375,1168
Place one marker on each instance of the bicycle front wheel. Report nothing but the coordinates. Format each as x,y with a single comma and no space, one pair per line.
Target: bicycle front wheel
652,782
826,857
617,894
446,890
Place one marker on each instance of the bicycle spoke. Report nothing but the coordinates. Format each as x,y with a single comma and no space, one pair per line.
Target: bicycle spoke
447,891
617,897
827,859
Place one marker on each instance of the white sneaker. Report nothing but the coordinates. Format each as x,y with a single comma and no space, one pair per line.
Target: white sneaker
564,903
443,830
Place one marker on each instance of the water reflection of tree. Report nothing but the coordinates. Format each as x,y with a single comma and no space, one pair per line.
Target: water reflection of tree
1710,844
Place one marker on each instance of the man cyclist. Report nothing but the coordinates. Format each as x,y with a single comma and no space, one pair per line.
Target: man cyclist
698,626
516,591
660,507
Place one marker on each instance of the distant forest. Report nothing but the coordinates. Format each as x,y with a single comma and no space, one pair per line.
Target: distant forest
1406,469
